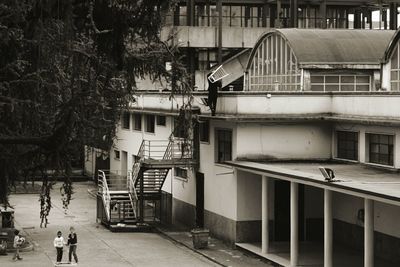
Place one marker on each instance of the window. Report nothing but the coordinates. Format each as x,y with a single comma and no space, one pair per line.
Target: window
204,131
340,83
224,145
181,172
117,154
137,122
274,66
179,129
347,145
395,70
150,121
161,120
126,119
380,149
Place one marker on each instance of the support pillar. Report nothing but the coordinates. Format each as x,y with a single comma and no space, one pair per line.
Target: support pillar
293,14
369,233
328,229
322,14
393,16
294,227
264,217
219,9
279,23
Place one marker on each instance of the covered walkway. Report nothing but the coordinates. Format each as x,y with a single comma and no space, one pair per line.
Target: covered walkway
347,214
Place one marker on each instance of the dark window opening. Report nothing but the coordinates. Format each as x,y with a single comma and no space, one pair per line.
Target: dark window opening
126,119
161,120
381,149
204,131
347,145
181,172
117,154
224,145
137,122
150,121
179,129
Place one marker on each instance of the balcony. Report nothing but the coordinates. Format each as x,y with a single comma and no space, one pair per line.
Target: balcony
207,37
375,107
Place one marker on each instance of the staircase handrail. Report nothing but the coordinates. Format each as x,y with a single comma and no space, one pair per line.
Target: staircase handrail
132,177
105,193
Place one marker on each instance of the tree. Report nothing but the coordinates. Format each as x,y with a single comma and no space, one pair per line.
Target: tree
67,70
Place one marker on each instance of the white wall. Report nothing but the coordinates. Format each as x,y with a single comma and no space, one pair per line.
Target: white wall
295,141
219,180
386,217
249,193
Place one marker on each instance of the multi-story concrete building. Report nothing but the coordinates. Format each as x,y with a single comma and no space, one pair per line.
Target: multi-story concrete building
301,99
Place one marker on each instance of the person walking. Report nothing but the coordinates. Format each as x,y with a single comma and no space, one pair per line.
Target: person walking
72,243
59,245
18,241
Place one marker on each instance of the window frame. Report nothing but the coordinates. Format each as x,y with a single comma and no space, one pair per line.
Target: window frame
357,145
126,118
390,147
181,173
202,130
158,120
147,124
117,154
135,116
218,145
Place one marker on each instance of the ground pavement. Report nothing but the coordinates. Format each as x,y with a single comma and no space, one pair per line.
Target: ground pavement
97,246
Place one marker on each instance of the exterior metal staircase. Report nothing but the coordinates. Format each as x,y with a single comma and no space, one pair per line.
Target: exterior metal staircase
121,198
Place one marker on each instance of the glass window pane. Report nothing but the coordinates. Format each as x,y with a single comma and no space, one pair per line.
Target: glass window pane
331,79
364,88
317,79
347,88
331,88
362,79
317,88
347,79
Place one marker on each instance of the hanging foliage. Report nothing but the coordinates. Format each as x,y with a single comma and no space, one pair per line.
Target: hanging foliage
67,70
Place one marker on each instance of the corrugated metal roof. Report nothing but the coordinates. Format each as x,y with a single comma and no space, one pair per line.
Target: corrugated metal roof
318,46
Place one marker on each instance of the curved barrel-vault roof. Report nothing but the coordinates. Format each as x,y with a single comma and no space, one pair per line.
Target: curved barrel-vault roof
319,47
392,44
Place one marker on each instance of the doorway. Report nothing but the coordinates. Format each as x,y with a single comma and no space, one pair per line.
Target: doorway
199,199
282,211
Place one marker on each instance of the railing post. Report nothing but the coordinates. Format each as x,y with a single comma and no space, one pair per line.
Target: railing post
141,197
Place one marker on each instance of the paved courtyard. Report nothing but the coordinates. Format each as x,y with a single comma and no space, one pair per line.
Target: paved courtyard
97,246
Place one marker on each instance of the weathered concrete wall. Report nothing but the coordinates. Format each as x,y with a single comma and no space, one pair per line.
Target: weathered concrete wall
284,141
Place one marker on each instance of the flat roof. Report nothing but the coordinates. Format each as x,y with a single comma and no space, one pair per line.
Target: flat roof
352,178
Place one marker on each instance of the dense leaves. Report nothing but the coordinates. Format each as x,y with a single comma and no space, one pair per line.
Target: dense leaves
67,69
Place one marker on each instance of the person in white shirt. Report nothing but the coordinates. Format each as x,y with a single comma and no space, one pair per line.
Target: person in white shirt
59,244
18,241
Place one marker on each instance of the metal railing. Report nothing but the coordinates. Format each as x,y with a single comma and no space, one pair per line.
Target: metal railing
132,177
104,190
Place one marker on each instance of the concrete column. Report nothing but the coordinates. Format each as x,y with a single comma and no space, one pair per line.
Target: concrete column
264,218
294,227
369,233
219,9
322,14
279,23
328,229
293,14
393,16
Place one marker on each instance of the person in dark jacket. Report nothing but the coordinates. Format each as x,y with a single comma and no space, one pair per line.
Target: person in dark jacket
72,243
213,94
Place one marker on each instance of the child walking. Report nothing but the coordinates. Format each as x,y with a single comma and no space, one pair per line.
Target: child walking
18,241
72,242
59,244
